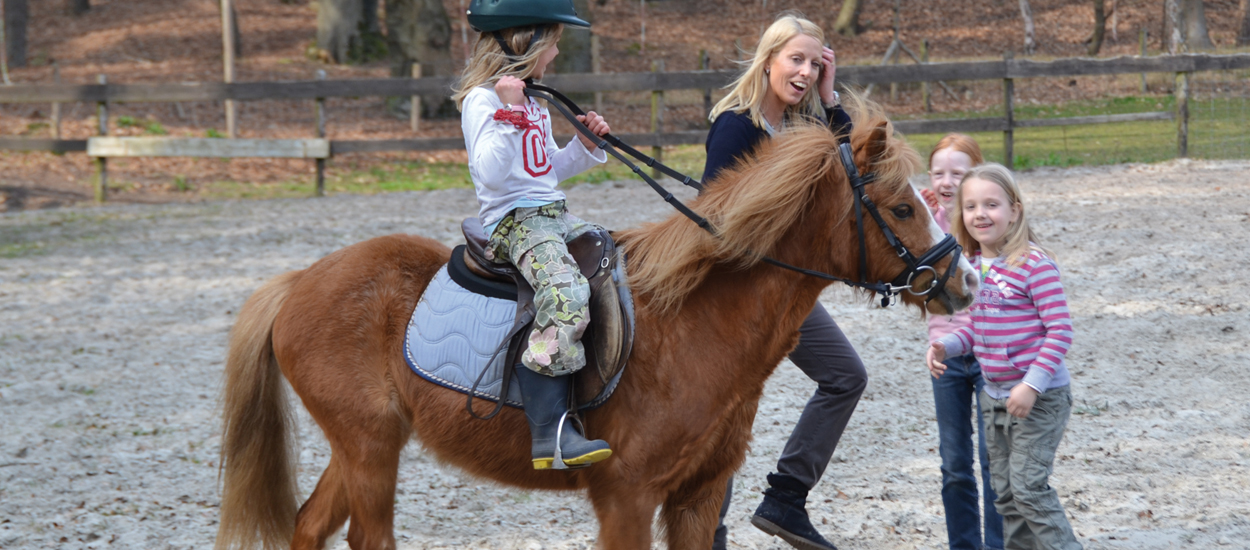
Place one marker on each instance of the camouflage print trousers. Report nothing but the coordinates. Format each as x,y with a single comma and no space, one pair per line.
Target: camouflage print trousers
535,240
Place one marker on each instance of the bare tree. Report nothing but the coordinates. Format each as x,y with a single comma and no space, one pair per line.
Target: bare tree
1026,13
575,44
1194,16
1172,38
16,13
77,7
419,31
348,31
848,18
236,34
1100,27
1243,35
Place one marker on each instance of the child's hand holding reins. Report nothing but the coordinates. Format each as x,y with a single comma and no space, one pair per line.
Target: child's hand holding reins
511,90
934,358
597,126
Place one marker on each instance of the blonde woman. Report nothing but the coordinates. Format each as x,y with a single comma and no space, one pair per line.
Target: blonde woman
791,78
515,165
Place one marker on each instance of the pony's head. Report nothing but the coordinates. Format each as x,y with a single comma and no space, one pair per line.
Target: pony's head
793,201
877,150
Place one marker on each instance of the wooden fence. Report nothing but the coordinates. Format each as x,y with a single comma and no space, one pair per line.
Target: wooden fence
1006,70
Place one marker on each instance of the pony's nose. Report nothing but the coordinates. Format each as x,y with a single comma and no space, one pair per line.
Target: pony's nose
970,281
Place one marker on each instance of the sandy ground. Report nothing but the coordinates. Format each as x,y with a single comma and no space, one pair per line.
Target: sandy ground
113,324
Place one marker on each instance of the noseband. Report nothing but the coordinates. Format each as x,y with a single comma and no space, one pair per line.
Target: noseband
905,281
948,246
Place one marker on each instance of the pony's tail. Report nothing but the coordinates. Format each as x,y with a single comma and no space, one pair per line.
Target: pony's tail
258,498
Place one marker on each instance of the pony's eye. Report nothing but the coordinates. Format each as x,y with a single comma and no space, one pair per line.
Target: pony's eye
902,211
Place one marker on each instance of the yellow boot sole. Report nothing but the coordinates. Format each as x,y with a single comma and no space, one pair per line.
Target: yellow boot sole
584,460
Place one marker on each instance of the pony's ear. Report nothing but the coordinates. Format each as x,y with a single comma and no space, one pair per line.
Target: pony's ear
878,140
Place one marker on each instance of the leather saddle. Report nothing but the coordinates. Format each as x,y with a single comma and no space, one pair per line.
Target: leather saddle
609,337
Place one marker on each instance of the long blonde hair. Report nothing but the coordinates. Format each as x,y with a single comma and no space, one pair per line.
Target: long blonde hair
1020,238
489,63
748,91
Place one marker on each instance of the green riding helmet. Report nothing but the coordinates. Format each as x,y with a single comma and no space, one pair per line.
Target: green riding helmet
494,15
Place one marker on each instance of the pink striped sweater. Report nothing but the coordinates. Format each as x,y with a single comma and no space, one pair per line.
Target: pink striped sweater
1021,329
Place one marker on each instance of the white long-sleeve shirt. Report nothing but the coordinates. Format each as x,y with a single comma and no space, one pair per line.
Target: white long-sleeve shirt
509,165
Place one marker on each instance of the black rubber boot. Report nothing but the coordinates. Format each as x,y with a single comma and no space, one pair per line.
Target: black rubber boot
546,399
784,514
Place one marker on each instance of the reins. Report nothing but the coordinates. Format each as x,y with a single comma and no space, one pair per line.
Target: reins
610,144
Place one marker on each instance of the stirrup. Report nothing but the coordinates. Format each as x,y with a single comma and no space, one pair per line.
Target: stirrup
556,462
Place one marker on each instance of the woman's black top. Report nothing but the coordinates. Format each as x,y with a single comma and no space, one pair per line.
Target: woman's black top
733,136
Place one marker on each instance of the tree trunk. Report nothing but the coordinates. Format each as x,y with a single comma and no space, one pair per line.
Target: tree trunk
419,31
1026,13
848,18
338,28
16,14
1194,15
77,7
1100,27
237,37
575,54
1171,36
1243,15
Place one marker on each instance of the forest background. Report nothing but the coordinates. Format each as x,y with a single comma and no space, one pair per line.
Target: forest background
151,41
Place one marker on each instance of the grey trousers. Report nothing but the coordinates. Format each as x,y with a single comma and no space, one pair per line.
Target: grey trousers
1022,457
827,357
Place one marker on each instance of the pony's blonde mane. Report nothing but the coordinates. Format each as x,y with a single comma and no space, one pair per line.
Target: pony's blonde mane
755,203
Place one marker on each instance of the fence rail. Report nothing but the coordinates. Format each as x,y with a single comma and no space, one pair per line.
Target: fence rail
1006,70
856,75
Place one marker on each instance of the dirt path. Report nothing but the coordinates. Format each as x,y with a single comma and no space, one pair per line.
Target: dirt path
113,324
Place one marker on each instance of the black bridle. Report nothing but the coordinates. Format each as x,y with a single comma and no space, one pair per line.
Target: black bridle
905,281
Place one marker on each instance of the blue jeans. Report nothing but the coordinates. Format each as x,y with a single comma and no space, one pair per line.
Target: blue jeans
953,394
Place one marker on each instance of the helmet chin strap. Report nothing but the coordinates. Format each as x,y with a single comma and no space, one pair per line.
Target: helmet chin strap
507,50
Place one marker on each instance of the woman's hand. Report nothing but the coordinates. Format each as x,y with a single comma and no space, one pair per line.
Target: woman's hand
511,90
1021,400
934,358
596,125
828,67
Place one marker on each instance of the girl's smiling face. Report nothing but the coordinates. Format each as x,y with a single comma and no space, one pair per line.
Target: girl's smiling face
945,170
795,69
987,214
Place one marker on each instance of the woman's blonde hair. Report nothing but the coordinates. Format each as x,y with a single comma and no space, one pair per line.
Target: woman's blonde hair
489,63
748,91
1020,238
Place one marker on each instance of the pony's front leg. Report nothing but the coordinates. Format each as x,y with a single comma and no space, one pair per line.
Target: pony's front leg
690,514
625,514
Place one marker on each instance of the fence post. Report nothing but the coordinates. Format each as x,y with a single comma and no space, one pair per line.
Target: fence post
101,163
657,117
1141,41
924,86
1182,115
1008,115
56,106
705,63
416,101
227,58
595,68
320,116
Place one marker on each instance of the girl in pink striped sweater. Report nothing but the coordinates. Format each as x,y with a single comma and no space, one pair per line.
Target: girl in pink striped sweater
1020,333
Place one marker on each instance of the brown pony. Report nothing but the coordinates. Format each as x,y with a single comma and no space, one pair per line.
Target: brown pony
713,322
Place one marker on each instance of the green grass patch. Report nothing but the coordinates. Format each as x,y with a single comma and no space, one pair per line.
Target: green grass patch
1217,129
19,250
